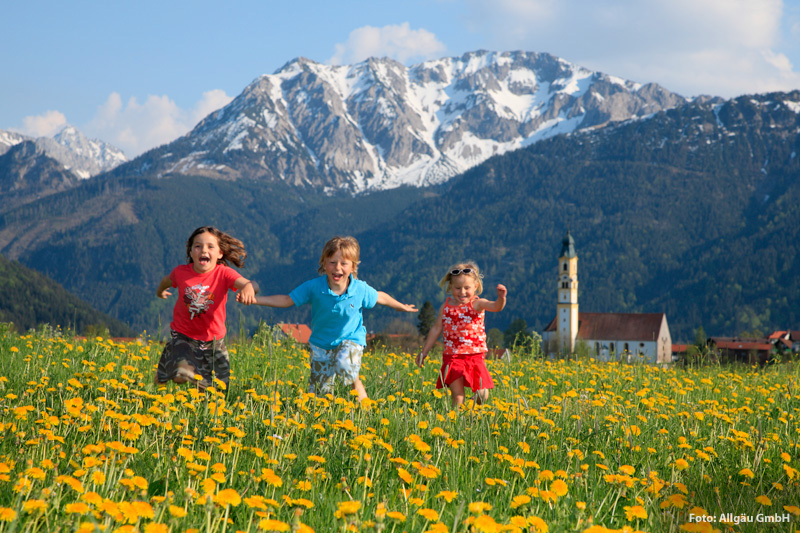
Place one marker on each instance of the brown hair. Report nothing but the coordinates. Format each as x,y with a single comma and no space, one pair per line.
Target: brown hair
349,248
232,248
475,274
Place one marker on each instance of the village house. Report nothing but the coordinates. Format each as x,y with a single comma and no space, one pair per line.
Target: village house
608,336
732,349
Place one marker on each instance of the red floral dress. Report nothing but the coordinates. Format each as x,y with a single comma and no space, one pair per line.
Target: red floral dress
464,335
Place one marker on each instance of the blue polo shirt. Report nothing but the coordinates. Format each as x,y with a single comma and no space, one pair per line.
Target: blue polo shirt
336,318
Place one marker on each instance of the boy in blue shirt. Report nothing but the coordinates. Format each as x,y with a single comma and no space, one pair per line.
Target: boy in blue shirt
338,335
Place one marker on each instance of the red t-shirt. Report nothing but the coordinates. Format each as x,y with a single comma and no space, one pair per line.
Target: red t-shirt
200,310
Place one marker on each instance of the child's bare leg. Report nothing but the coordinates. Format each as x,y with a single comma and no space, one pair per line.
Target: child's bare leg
481,396
185,372
358,386
457,392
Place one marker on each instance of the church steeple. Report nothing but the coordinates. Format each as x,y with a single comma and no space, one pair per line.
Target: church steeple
567,306
568,246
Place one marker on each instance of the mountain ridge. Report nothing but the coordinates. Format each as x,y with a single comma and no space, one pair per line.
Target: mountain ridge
378,124
77,153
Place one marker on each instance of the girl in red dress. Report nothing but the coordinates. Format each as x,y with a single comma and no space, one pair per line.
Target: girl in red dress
460,320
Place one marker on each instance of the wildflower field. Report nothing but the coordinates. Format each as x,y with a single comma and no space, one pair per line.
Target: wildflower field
88,442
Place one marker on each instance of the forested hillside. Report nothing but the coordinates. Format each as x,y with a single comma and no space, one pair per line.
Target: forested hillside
29,299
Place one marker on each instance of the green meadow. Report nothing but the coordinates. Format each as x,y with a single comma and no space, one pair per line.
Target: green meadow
89,443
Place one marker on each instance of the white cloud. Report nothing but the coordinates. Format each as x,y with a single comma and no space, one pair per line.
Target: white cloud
721,47
398,42
137,127
45,125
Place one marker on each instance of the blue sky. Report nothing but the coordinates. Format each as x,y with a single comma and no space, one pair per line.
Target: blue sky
139,74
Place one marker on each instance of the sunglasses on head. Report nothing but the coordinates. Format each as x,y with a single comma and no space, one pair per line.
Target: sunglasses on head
459,271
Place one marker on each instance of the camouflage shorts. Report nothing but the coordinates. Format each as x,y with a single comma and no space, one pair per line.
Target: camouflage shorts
207,358
343,360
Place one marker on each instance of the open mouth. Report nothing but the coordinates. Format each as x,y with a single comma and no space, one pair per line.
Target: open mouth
204,260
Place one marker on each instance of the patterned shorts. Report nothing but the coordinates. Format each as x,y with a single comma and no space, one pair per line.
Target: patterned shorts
343,360
207,358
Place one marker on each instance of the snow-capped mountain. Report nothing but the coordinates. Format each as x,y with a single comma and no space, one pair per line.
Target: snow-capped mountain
83,156
379,124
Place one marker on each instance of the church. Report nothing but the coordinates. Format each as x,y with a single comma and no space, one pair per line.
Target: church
629,337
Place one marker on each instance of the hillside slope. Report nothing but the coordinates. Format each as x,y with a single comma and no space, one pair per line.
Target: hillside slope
29,299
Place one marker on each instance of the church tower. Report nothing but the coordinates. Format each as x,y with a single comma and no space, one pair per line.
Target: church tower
567,307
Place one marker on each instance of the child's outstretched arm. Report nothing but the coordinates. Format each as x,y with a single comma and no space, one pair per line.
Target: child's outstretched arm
245,291
163,288
275,300
433,334
388,301
482,304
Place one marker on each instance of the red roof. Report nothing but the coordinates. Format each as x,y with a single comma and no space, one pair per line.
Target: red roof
777,335
743,345
679,348
617,326
299,332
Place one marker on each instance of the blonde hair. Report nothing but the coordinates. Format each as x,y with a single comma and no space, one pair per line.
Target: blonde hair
349,248
475,275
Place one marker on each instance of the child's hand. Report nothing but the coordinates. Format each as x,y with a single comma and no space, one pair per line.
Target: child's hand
408,308
420,359
164,294
501,291
247,295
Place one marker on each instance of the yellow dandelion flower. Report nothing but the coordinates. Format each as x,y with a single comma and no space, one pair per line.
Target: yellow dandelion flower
786,457
429,514
273,525
228,497
763,500
479,507
537,525
316,459
681,464
177,512
635,512
7,515
92,498
546,475
559,488
76,508
791,472
792,509
746,472
438,527
155,527
519,501
447,495
486,524
349,507
35,473
628,470
304,486
34,505
394,515
404,475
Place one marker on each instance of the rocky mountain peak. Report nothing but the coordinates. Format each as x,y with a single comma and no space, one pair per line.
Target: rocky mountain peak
378,124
